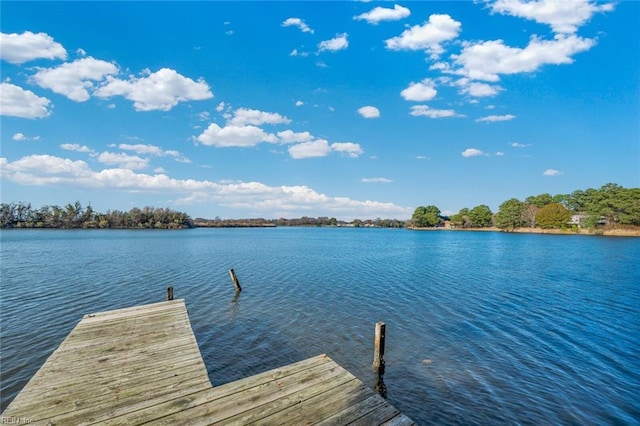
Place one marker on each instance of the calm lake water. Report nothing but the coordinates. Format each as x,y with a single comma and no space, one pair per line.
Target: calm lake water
482,328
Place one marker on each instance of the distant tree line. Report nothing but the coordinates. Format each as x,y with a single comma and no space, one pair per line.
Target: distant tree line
232,223
610,206
332,221
302,221
22,215
71,216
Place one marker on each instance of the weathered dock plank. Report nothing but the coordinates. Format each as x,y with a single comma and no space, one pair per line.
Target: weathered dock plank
142,365
112,362
313,391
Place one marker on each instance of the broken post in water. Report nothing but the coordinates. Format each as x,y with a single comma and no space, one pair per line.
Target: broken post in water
170,293
234,279
378,349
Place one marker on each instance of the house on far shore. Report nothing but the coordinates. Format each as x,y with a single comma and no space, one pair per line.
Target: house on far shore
576,219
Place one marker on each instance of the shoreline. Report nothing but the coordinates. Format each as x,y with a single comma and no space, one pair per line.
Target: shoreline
596,232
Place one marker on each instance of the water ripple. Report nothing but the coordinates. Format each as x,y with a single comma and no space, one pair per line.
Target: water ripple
482,328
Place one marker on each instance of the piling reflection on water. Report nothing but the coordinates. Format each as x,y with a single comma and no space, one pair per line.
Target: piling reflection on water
380,387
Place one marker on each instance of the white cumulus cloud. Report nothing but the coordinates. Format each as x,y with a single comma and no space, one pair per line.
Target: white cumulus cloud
369,111
472,152
476,89
276,200
237,136
255,117
77,147
122,160
428,37
161,90
144,149
21,137
378,14
349,149
339,42
494,118
296,52
487,60
551,172
317,148
289,136
299,23
425,111
74,79
421,91
43,170
376,180
562,16
18,102
19,48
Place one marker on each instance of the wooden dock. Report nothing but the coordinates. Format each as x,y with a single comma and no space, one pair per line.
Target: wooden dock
142,365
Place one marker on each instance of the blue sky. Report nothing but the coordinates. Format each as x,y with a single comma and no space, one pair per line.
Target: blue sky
345,109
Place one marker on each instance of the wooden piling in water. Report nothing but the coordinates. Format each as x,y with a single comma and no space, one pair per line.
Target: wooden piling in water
170,293
234,279
378,348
